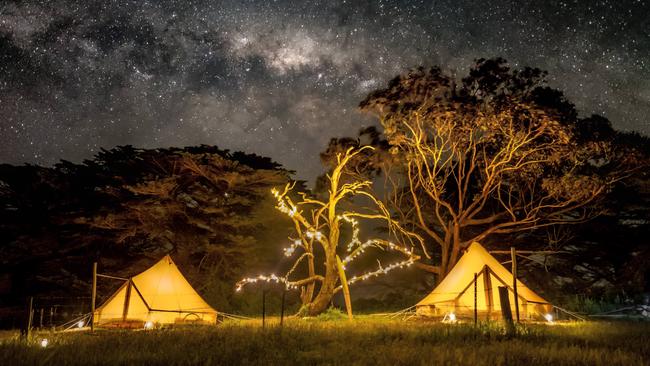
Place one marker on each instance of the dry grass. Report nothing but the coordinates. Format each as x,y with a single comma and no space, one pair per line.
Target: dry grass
364,341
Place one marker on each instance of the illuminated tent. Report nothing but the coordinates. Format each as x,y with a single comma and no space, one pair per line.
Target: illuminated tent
160,295
455,294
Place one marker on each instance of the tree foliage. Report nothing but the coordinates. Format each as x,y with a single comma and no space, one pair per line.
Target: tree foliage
498,153
127,207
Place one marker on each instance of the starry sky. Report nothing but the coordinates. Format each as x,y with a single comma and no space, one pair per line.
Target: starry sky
280,78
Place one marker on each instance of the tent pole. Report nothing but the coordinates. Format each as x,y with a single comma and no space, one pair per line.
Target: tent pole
93,297
127,299
513,253
475,299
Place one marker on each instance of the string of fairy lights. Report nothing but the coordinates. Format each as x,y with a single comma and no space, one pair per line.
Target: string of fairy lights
355,248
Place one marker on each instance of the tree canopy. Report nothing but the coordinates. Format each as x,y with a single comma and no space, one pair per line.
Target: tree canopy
203,205
496,153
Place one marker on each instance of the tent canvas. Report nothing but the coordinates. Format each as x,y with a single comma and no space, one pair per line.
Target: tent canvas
161,295
456,292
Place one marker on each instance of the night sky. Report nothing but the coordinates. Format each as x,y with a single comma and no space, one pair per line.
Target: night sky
279,78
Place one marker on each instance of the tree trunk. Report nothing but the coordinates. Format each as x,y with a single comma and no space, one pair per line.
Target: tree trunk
326,292
309,296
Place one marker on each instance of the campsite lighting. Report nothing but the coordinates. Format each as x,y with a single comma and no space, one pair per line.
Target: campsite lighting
369,243
80,324
355,232
148,324
288,252
44,342
549,318
452,317
381,270
355,247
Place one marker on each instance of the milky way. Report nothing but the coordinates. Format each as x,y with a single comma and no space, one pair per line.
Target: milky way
279,78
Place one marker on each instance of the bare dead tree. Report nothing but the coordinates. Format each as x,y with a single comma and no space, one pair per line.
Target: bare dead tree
318,223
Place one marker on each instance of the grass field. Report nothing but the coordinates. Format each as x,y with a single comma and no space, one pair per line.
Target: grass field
364,341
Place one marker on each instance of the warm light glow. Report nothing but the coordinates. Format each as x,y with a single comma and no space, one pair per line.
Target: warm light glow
381,270
44,342
549,318
452,317
148,325
261,278
80,324
308,226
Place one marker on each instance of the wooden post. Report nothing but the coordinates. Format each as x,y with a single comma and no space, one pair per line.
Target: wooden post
93,297
284,292
344,285
40,324
475,299
513,253
31,319
27,330
263,308
504,299
487,284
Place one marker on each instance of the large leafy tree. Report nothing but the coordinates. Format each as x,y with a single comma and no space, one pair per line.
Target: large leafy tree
609,255
127,207
497,153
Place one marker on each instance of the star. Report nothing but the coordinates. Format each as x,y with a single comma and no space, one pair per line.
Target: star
280,78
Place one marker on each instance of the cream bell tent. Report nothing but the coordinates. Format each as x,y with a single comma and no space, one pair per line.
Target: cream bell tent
159,295
455,294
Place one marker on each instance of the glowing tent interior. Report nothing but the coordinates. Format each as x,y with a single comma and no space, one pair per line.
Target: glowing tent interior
159,295
457,292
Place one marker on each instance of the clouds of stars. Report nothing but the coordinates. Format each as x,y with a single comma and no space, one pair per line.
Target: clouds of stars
280,78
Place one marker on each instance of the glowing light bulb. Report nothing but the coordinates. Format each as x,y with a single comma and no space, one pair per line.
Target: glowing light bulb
80,324
44,342
148,325
549,318
452,317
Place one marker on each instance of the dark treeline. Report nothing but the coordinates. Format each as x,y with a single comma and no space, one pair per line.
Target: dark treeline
126,208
